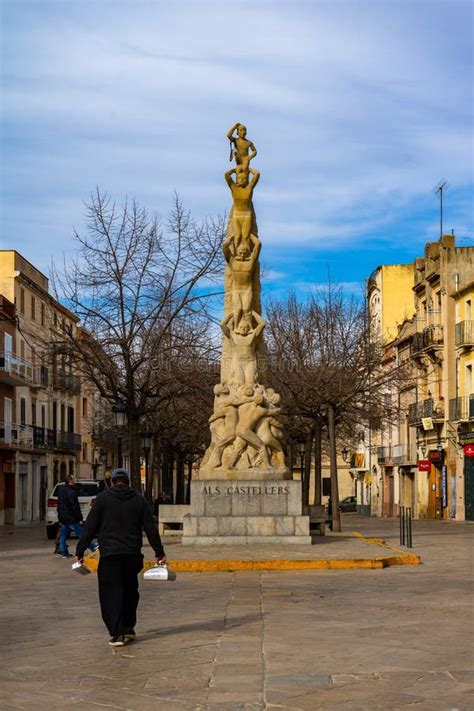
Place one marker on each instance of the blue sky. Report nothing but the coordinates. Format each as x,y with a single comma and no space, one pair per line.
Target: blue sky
357,110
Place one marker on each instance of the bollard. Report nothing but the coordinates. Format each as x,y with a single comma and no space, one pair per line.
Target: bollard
402,525
409,536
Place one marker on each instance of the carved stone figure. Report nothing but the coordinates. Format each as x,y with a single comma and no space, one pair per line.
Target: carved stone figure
242,265
242,210
246,433
240,146
250,415
243,339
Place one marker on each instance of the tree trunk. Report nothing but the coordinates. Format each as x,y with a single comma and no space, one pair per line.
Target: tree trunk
180,479
190,477
134,450
149,478
318,427
307,467
335,513
167,471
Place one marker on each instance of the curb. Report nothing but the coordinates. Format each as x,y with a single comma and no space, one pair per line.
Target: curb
229,565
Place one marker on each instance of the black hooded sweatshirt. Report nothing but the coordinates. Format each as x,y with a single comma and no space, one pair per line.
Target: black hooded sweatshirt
117,517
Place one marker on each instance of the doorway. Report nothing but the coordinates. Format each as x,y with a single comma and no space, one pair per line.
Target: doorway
469,488
43,492
23,481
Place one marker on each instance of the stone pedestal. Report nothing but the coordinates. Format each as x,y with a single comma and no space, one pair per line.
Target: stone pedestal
239,512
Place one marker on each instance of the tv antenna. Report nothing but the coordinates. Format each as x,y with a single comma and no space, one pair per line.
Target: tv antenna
440,188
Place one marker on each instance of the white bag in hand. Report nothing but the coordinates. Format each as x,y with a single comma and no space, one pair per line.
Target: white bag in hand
159,572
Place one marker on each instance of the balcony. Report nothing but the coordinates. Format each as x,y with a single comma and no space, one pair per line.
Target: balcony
15,370
67,381
357,461
461,409
68,440
384,454
40,377
43,438
464,334
430,338
404,454
16,436
425,408
26,436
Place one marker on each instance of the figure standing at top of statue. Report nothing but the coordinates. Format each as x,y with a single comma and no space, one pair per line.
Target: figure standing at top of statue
242,265
242,210
241,146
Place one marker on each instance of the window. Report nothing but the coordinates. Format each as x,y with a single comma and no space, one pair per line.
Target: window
22,349
43,315
43,415
33,308
33,411
70,419
468,382
468,310
22,300
84,452
22,411
84,407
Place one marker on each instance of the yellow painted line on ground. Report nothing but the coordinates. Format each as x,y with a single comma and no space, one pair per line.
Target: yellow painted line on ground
403,559
213,566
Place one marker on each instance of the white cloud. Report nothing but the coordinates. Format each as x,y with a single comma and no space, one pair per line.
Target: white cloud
356,108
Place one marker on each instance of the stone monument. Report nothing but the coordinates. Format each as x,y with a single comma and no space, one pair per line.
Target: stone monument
244,492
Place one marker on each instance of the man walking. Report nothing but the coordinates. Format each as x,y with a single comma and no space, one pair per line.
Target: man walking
118,516
69,515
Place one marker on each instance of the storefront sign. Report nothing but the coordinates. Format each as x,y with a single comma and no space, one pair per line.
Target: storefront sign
427,423
444,486
469,450
424,465
435,455
466,437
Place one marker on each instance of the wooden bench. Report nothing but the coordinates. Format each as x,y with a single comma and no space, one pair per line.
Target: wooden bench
171,513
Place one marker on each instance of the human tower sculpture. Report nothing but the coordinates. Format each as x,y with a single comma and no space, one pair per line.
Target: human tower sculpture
246,432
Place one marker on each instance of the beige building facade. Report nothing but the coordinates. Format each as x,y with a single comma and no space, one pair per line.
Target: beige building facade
43,425
425,457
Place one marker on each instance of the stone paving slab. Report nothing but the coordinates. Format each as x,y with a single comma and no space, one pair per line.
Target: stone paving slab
399,638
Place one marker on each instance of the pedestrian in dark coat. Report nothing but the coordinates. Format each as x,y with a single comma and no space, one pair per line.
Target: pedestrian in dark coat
118,517
69,515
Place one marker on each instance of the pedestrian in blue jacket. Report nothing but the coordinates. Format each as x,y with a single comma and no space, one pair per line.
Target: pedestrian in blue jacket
69,515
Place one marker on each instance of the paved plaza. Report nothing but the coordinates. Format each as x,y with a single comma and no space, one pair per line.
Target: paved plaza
397,638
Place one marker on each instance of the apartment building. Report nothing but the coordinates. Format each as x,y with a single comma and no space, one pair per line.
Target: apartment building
390,303
461,406
40,411
426,460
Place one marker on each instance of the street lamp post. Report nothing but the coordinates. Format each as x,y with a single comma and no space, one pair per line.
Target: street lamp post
344,454
145,438
119,411
301,452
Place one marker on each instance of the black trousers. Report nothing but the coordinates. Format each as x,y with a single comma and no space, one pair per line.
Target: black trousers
118,591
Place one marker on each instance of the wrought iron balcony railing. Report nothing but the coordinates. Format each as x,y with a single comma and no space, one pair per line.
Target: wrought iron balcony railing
461,408
430,337
425,408
384,454
464,333
404,453
68,440
67,381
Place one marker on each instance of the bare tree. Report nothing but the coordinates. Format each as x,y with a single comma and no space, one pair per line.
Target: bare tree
136,284
326,362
